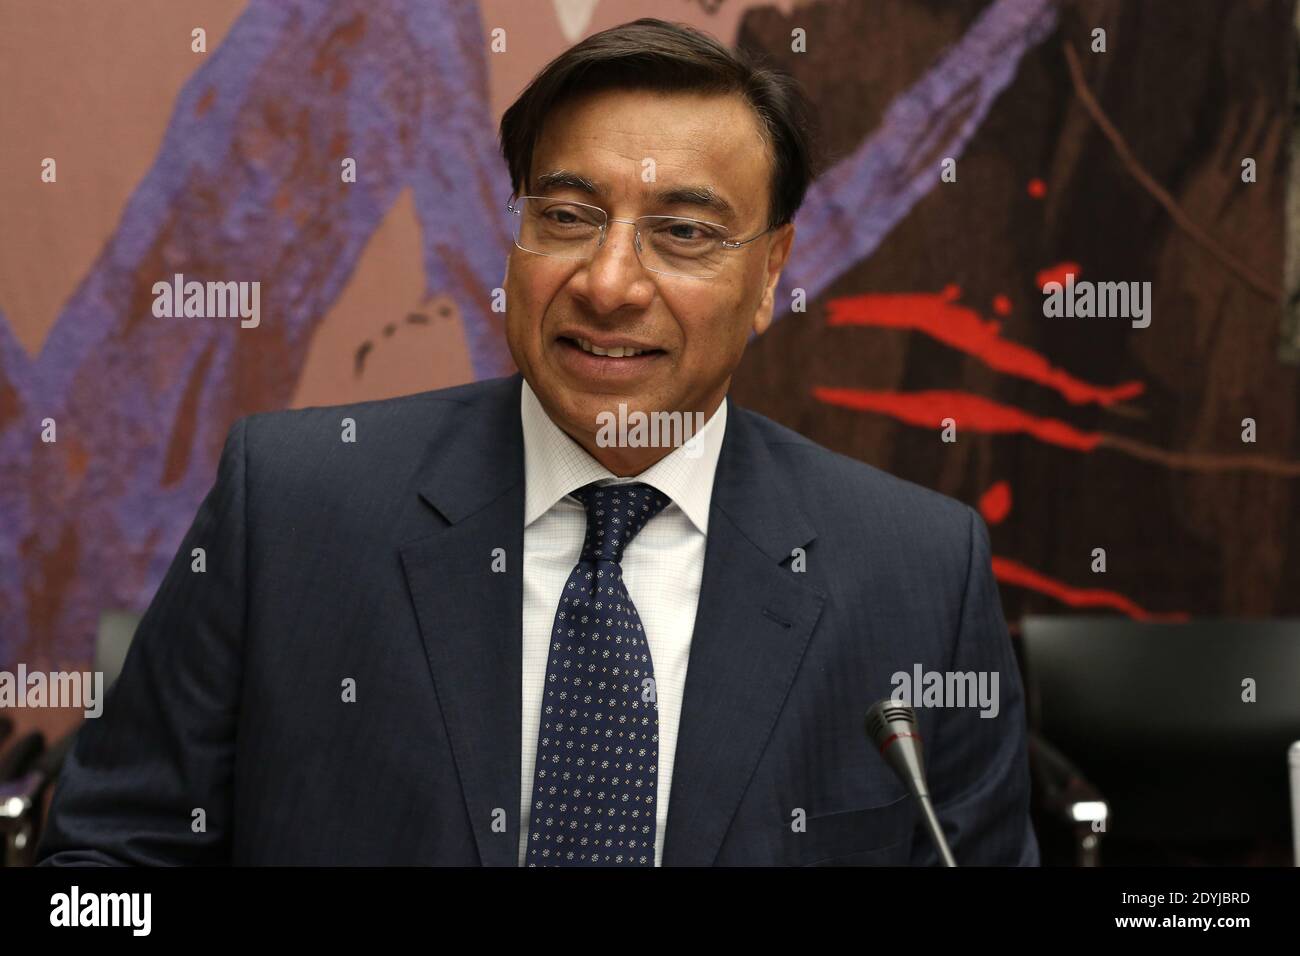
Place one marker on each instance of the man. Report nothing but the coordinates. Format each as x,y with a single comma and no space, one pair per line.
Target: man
494,629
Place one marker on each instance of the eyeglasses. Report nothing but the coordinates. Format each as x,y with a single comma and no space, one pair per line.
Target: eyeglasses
669,245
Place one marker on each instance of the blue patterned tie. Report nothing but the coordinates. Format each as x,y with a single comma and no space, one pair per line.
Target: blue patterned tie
598,740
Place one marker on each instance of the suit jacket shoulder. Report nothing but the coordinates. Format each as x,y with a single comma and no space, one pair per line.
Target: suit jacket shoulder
885,512
354,458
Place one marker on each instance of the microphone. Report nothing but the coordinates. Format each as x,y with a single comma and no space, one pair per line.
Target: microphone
892,728
1293,761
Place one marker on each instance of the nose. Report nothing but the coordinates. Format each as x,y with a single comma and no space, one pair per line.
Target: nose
614,276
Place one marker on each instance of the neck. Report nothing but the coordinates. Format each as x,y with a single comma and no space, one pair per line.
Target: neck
628,462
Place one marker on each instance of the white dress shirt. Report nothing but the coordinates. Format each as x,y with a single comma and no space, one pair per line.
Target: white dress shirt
662,567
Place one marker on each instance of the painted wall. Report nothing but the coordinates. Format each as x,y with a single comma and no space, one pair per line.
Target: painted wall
922,298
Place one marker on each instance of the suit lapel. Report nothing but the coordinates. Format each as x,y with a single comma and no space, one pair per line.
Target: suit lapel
754,621
470,616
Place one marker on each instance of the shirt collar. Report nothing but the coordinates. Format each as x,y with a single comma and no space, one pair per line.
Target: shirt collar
555,465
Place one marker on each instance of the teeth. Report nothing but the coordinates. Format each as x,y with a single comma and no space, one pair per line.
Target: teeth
617,351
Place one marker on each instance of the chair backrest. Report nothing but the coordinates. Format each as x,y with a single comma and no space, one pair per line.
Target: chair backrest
1157,717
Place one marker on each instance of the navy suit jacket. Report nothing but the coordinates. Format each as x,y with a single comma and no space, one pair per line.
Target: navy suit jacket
329,565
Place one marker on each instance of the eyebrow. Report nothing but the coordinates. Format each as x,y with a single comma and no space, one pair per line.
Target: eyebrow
705,197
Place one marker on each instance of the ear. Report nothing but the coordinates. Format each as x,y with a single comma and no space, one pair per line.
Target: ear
778,252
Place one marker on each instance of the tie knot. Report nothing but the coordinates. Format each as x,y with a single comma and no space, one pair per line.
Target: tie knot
615,513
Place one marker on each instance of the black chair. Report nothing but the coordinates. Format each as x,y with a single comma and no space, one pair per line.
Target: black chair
1154,716
21,755
28,769
24,783
1069,813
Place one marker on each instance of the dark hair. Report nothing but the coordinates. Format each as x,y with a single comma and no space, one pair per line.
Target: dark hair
656,55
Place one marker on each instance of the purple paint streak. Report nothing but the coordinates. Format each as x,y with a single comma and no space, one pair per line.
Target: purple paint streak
852,207
246,187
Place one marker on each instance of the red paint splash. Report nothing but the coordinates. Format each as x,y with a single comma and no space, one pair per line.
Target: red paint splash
962,328
995,504
1037,189
1012,572
979,414
929,409
1057,273
1001,305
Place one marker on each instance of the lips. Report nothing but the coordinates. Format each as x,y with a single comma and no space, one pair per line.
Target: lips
623,364
607,347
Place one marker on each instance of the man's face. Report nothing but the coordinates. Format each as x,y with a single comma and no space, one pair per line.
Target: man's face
695,328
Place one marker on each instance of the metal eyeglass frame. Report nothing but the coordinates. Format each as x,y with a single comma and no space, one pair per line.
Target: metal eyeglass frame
604,230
